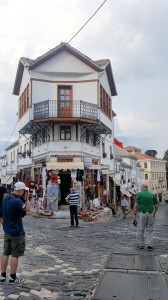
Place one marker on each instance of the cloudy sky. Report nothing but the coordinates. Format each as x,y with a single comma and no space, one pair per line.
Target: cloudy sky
131,33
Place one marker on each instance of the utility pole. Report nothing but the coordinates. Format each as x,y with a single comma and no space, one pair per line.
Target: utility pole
114,192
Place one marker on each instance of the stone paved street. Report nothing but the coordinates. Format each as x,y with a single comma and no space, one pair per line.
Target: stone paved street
67,263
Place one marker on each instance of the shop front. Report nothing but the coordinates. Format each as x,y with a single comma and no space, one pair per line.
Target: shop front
68,174
115,186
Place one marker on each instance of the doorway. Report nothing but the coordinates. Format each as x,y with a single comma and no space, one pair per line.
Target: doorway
64,187
64,101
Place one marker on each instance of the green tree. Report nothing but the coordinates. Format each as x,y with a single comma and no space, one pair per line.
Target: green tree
165,157
151,153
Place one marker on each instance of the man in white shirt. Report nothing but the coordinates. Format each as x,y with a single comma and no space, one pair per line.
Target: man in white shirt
124,204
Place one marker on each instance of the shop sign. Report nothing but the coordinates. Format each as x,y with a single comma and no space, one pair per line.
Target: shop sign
87,162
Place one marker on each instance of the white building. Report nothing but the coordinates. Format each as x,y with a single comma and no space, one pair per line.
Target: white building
154,172
128,174
65,117
9,164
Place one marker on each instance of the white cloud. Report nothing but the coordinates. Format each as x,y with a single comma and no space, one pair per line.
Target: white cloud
132,33
131,126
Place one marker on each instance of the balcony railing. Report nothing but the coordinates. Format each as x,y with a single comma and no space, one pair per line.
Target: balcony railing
57,109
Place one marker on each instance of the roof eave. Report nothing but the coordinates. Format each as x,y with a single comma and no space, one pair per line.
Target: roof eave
12,145
69,49
111,79
18,78
113,113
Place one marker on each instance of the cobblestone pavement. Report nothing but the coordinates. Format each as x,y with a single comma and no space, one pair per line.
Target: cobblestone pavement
67,263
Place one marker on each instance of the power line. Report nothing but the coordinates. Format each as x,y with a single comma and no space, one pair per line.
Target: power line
87,22
68,43
7,120
8,139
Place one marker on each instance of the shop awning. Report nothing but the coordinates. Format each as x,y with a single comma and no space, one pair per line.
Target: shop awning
5,179
95,167
116,181
131,191
105,171
65,165
129,194
125,192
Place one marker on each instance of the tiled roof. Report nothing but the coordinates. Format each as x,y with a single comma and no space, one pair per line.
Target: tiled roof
69,48
102,62
49,54
125,165
128,148
121,152
12,145
25,60
141,156
99,66
113,113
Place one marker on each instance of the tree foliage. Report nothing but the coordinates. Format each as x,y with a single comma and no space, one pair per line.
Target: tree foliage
165,157
151,153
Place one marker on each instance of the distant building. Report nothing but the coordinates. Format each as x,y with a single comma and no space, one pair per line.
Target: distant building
154,171
135,176
128,173
9,164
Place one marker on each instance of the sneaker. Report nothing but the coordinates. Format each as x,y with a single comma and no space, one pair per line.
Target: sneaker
149,248
2,279
16,280
140,247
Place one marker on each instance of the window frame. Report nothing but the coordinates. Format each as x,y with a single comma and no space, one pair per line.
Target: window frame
63,130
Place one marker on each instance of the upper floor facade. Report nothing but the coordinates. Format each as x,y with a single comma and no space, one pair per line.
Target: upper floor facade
64,85
65,105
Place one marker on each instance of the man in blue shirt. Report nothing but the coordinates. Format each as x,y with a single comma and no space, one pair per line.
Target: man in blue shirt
13,210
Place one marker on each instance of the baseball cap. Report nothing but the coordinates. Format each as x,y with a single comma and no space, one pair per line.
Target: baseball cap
19,186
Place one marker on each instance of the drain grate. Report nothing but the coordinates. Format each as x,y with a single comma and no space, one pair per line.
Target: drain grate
122,286
133,262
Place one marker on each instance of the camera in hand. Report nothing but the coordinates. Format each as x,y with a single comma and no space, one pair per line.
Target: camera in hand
23,198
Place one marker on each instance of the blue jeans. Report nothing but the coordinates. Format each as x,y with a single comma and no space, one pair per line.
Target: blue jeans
74,214
124,211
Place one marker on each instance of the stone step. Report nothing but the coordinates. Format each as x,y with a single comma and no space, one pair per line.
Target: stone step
64,207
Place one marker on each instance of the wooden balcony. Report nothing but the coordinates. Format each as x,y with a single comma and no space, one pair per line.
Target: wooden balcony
56,111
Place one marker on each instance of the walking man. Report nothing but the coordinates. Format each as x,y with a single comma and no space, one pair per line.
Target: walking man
146,205
124,204
73,199
13,210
